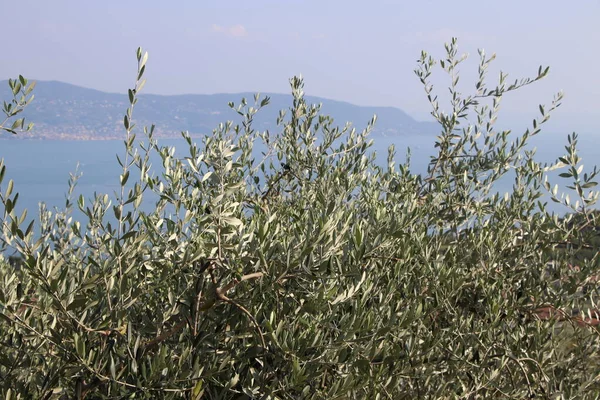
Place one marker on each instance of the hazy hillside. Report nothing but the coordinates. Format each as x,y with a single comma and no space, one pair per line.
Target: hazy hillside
65,111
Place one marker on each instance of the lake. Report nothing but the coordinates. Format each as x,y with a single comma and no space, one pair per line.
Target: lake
41,169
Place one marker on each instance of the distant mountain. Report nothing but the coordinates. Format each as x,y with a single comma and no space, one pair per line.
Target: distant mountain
64,111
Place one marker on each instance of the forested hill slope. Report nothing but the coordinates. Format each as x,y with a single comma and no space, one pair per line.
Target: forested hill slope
64,111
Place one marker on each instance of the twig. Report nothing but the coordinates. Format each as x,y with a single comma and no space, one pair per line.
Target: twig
221,295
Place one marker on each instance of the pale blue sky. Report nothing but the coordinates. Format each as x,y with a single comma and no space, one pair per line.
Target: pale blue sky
363,52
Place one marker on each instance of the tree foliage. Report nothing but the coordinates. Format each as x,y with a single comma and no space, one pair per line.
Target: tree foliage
288,264
21,90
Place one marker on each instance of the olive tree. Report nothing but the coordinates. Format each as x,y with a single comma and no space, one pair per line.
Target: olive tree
21,90
288,264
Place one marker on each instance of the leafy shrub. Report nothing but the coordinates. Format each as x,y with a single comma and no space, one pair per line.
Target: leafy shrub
309,271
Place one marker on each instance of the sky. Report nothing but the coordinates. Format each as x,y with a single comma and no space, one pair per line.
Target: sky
363,52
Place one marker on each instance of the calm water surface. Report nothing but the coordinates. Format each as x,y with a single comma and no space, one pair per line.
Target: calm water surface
40,169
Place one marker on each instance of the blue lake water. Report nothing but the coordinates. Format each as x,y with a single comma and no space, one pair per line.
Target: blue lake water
40,169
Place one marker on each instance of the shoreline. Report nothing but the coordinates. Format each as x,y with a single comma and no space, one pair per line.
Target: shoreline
84,139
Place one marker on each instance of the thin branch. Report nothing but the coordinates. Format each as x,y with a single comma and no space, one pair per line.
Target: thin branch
221,295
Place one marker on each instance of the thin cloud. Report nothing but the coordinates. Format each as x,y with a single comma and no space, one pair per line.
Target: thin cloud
235,31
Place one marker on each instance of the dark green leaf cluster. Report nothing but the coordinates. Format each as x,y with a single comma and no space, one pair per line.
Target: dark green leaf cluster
289,265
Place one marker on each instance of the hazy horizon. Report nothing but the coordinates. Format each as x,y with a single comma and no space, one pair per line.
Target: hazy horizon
356,52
